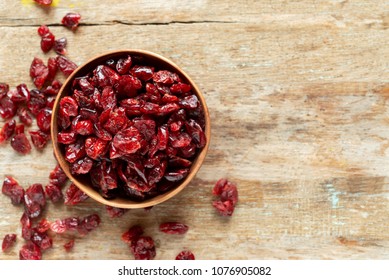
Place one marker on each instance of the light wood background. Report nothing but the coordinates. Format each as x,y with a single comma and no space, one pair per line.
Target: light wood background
298,93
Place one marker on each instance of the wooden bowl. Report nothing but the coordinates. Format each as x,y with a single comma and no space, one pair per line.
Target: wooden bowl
151,59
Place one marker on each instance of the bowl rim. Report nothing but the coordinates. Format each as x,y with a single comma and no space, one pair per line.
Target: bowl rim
122,202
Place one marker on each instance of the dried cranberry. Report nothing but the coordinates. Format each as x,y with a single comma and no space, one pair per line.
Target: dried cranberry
177,175
52,67
132,234
104,177
66,137
65,65
105,76
43,120
82,166
21,144
7,108
20,94
39,139
74,195
44,2
95,147
123,65
7,131
41,239
52,89
71,20
180,88
127,140
143,73
185,255
115,212
37,102
12,189
128,85
34,200
143,248
75,151
227,193
117,121
43,30
60,46
24,116
30,251
88,223
8,241
57,176
26,226
38,72
173,228
43,226
69,245
4,88
47,42
54,193
164,77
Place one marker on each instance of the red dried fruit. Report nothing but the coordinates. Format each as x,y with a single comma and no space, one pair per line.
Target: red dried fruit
227,193
39,139
132,234
7,108
74,195
30,251
57,176
74,152
185,255
63,225
88,223
43,226
105,76
71,20
82,166
54,193
95,147
52,68
43,120
20,94
41,239
173,228
4,88
69,245
12,189
103,177
143,248
143,73
127,140
117,121
44,2
65,65
47,42
123,65
60,46
69,106
21,144
26,226
43,30
128,86
19,129
66,137
115,212
180,88
38,72
164,77
34,200
83,127
37,102
52,90
177,175
8,241
24,117
7,131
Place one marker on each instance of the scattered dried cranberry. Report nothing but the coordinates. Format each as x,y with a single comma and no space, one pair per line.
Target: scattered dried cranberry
47,42
41,239
74,195
39,138
54,193
65,65
44,2
20,143
83,226
57,176
24,116
7,108
12,189
115,212
4,88
185,255
143,248
60,46
132,234
34,200
173,228
38,72
30,251
227,193
43,226
71,20
7,131
8,241
69,245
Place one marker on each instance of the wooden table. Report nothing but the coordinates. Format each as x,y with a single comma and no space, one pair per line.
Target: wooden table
298,94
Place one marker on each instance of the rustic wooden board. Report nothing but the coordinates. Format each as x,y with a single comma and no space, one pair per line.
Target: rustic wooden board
298,99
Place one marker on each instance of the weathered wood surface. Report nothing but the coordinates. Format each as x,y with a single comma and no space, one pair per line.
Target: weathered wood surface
298,94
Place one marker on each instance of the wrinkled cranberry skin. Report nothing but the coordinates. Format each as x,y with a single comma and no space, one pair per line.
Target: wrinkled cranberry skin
7,108
227,193
21,144
132,234
44,120
44,2
54,193
143,248
12,189
4,88
65,65
8,241
82,166
24,116
57,176
38,72
74,195
173,228
47,42
71,20
39,139
34,200
185,255
7,131
43,30
30,251
60,46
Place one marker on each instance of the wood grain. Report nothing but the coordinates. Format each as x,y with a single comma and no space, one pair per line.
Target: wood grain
298,94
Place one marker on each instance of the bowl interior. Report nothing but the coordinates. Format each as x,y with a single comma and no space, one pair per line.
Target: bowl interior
147,58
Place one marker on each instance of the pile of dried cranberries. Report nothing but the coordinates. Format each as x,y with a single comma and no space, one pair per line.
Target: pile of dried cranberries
133,128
